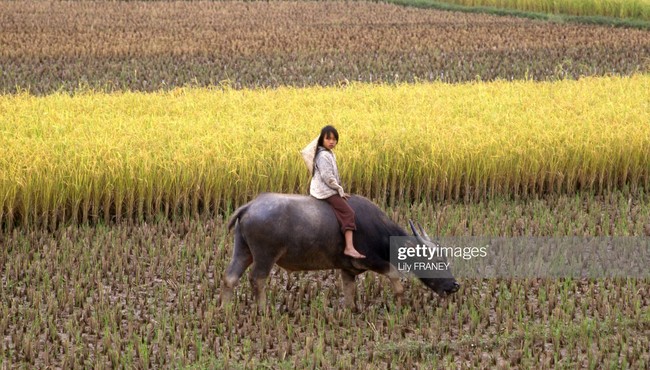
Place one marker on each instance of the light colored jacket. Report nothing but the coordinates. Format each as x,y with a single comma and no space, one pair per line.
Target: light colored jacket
326,181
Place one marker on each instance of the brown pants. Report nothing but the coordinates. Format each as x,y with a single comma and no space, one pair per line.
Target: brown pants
344,213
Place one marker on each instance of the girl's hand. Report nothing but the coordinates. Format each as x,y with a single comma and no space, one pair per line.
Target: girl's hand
345,196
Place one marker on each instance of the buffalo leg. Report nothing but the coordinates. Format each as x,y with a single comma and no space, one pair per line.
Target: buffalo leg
394,277
391,272
349,288
258,276
241,259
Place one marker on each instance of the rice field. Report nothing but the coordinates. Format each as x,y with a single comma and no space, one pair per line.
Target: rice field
110,157
146,296
129,131
639,9
47,46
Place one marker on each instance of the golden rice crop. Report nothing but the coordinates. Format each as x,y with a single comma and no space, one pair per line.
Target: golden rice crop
611,8
96,156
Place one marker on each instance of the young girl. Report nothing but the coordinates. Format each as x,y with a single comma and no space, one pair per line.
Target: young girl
326,185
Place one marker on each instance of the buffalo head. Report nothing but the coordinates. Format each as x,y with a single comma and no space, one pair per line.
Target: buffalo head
443,283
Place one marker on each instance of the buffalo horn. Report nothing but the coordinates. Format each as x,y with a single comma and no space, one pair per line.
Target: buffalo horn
424,233
415,232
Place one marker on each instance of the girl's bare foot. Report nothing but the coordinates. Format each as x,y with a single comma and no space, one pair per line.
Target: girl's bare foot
353,253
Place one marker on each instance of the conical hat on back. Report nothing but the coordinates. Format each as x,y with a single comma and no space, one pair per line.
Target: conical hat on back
308,153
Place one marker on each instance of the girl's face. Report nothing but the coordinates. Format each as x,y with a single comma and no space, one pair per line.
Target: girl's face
329,141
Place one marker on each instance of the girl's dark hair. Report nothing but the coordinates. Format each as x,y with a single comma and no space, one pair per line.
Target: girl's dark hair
329,129
325,132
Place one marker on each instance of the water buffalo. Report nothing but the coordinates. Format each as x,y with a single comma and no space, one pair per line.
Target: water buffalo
301,233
